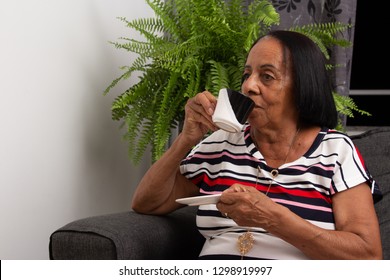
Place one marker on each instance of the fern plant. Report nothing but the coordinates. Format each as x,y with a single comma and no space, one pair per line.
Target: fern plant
190,46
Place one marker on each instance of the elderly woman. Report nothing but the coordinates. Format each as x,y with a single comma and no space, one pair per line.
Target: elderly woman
292,186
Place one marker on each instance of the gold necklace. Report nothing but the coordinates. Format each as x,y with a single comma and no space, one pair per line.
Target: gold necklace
246,240
275,171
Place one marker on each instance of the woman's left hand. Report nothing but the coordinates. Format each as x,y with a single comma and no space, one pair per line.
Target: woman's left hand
248,207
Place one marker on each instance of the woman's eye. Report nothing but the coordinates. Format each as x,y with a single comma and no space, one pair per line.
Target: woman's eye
267,77
244,77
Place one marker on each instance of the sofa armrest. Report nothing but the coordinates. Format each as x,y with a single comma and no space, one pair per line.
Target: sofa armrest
129,235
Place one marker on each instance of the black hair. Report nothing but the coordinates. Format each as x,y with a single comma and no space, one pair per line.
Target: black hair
311,82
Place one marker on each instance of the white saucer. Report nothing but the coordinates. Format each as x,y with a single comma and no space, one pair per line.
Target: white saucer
199,200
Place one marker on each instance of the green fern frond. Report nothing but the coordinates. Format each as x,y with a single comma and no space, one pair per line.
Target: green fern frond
114,83
234,14
145,26
235,74
166,113
263,13
219,76
191,73
325,34
165,10
346,106
141,48
261,16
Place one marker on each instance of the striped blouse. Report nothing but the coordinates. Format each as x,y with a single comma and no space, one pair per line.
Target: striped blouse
305,186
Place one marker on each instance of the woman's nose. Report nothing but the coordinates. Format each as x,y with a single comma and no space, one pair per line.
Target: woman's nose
249,86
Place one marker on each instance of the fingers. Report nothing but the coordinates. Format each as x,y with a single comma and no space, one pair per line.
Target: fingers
203,103
207,101
235,188
199,111
239,199
232,198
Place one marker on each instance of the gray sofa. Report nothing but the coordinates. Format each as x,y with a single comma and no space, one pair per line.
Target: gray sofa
129,235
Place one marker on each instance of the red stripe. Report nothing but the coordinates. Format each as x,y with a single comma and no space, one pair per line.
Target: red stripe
300,193
360,156
274,189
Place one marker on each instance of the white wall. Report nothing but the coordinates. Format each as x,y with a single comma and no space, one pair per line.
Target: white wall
62,157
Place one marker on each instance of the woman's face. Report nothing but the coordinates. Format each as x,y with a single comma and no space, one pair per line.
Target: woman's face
267,79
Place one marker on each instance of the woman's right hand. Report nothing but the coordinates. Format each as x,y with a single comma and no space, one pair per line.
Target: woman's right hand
198,116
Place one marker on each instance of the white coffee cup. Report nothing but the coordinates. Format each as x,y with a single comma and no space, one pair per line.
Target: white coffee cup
232,110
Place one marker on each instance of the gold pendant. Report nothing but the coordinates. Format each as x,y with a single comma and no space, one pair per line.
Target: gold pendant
245,243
